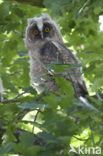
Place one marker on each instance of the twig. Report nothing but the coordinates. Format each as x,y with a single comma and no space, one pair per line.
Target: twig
81,139
9,101
92,135
35,118
21,114
18,133
13,100
19,95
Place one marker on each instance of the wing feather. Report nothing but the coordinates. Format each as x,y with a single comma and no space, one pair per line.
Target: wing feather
75,74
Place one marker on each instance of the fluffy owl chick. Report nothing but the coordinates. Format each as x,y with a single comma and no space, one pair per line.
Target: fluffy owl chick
45,45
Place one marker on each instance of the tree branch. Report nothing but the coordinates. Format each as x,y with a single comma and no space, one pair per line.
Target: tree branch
35,119
80,139
18,133
37,3
16,99
9,101
92,136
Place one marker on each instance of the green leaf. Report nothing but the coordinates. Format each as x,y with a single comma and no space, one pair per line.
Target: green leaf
49,138
33,105
6,148
65,67
8,84
51,100
66,87
22,149
27,139
29,90
4,9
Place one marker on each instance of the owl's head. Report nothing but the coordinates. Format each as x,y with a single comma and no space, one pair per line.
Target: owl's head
42,28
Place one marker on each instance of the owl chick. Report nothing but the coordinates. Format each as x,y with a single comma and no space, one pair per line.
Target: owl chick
45,45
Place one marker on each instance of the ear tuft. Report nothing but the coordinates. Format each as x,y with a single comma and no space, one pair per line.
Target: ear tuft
30,21
46,16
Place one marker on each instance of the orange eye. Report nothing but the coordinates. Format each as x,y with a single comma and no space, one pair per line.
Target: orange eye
36,32
47,29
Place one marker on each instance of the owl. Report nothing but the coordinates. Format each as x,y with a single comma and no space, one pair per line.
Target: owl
45,47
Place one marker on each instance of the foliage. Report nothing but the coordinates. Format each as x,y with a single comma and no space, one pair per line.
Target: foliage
60,119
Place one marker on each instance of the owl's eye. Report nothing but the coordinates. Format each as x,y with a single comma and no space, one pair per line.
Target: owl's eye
36,32
47,29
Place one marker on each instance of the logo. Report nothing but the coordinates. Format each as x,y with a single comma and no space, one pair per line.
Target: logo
85,150
72,149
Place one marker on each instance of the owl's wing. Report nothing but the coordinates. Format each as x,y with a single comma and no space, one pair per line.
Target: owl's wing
74,74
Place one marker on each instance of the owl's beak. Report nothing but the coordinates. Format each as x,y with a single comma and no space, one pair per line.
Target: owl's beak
41,35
